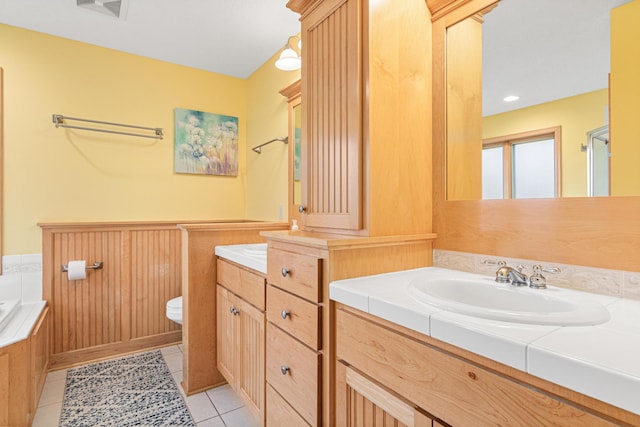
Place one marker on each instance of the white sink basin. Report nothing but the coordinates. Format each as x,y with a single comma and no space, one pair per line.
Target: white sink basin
252,255
483,297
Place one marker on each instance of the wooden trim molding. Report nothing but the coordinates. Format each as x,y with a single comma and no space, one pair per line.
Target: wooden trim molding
292,91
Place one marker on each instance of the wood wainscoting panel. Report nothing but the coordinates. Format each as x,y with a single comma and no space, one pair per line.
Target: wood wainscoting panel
155,256
119,308
88,312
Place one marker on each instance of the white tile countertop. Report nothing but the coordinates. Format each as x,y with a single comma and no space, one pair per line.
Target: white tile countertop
251,255
601,361
20,322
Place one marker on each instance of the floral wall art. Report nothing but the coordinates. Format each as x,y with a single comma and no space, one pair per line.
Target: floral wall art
205,143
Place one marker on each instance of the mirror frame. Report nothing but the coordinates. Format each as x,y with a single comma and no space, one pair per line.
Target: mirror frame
591,231
293,93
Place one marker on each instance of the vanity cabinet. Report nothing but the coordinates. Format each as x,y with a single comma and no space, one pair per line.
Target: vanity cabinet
366,90
300,315
427,374
294,360
240,304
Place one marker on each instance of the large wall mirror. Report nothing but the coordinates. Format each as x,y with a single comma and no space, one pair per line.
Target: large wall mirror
568,125
293,93
1,161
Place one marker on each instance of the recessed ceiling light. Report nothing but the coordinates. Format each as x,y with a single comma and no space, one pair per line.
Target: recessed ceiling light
511,98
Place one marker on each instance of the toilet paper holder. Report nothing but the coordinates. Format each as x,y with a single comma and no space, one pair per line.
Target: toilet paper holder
96,266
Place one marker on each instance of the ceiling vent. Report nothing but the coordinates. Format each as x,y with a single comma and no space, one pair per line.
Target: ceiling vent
114,8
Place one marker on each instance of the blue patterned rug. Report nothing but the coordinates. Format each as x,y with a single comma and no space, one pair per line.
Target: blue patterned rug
135,390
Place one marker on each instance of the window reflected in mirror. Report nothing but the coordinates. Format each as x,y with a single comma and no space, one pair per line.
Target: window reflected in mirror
522,166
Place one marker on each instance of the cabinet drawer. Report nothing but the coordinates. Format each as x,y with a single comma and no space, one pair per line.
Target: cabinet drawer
280,413
450,388
296,316
244,283
299,384
296,273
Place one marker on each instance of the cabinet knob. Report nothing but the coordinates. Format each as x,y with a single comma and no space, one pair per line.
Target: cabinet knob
284,369
284,272
302,208
231,309
234,311
284,314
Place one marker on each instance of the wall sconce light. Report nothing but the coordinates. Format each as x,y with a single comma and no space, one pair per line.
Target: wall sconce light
291,56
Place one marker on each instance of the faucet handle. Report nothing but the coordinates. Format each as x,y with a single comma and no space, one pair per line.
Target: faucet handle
502,274
537,280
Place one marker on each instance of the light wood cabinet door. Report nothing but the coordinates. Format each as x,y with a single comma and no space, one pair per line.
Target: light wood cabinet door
362,402
251,338
331,119
227,335
241,349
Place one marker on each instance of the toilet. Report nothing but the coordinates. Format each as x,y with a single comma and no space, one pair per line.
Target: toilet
174,310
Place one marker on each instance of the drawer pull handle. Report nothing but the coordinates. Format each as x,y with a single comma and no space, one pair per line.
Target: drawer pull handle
285,272
302,208
285,314
284,369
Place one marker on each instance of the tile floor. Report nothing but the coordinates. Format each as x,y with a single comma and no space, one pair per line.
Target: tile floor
217,407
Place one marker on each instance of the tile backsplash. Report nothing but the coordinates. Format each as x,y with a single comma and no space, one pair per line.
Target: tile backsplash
621,284
21,277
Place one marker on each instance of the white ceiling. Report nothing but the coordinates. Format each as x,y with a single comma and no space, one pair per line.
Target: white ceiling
544,50
539,49
232,37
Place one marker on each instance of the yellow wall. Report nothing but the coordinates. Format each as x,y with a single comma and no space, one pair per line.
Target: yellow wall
59,175
625,99
268,118
576,114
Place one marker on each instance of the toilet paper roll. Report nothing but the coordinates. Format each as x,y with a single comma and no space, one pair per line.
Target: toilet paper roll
76,270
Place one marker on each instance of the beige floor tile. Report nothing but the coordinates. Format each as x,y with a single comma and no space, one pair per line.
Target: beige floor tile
57,375
241,417
200,407
224,399
173,361
52,392
170,350
48,416
212,422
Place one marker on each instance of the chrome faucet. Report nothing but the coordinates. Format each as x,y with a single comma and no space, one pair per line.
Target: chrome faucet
515,276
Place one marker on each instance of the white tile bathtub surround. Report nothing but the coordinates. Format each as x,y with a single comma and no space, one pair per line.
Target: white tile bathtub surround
21,277
588,279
